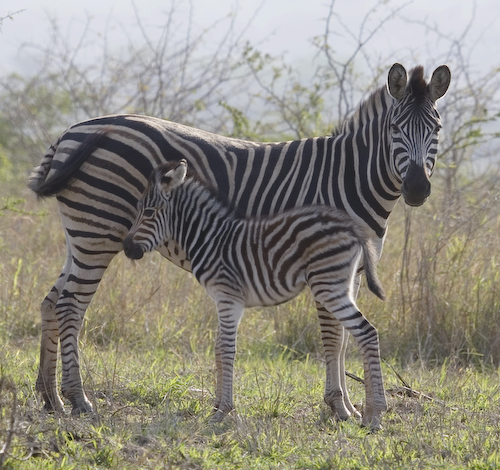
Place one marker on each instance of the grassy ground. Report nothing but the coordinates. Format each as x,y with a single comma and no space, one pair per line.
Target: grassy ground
153,409
147,362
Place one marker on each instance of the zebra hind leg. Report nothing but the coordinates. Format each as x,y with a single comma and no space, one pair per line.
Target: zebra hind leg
342,375
46,383
366,337
334,340
82,283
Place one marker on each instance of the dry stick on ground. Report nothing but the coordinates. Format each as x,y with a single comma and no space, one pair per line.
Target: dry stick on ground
8,385
406,389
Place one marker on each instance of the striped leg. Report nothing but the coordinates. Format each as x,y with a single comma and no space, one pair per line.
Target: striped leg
84,278
230,314
46,382
342,309
366,337
334,340
343,351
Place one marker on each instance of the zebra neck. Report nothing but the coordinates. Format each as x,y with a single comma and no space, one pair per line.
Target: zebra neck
363,161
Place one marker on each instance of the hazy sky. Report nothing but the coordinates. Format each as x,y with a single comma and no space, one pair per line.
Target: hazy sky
279,26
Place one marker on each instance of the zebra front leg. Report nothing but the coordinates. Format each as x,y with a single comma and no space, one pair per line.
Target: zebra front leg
335,343
229,316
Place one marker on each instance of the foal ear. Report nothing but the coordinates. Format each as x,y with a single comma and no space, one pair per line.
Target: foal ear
440,82
396,81
173,178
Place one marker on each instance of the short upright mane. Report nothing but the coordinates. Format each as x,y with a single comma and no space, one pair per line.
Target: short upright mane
417,87
417,84
361,112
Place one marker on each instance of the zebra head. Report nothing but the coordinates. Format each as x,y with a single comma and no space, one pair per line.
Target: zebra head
152,225
414,124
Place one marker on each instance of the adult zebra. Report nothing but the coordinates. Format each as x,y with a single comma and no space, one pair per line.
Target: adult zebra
386,149
261,261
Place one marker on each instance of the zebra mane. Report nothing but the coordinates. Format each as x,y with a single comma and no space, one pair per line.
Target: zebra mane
417,87
356,119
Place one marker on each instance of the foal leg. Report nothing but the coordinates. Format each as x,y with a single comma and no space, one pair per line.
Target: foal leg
229,313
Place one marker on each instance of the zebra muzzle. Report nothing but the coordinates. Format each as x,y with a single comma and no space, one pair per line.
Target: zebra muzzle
416,186
132,249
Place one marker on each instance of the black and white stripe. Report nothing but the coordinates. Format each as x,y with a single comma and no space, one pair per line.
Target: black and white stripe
259,261
99,168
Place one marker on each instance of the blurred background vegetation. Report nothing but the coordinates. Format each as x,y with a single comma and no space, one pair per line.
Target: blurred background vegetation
440,265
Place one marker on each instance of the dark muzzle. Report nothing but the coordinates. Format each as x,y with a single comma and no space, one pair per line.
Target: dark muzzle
416,186
132,250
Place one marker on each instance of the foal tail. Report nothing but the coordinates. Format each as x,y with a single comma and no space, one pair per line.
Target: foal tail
370,265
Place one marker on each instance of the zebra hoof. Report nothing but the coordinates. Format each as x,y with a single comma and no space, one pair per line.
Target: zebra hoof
220,415
217,416
373,425
53,406
52,403
82,409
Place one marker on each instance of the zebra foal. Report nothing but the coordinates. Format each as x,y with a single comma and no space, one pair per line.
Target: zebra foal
248,262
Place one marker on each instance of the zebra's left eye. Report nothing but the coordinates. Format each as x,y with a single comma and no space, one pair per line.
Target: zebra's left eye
149,212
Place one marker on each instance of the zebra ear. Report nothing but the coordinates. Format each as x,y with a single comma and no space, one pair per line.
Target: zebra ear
173,178
440,82
396,81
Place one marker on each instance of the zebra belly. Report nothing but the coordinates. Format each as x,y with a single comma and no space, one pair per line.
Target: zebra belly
267,296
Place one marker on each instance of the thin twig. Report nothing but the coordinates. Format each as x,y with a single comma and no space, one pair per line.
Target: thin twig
355,377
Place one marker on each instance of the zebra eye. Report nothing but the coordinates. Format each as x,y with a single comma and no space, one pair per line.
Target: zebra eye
395,128
149,212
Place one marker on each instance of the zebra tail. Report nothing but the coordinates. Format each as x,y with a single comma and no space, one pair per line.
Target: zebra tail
44,187
370,265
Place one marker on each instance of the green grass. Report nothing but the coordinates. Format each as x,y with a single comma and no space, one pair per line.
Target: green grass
154,414
148,345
